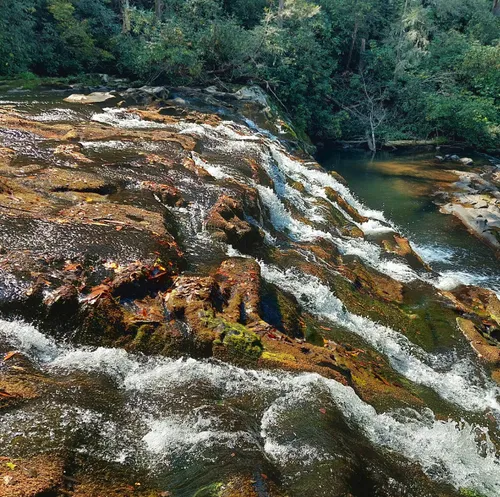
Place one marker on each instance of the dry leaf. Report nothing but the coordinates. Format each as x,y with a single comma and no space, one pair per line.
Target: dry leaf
9,355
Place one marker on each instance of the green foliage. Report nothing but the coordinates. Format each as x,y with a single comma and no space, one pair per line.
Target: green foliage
465,117
17,45
355,69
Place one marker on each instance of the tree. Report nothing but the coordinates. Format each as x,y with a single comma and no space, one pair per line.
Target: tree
17,36
159,5
125,9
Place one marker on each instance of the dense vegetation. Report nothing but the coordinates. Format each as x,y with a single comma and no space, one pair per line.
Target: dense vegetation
351,69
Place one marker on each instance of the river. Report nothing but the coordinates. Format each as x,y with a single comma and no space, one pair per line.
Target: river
403,185
185,424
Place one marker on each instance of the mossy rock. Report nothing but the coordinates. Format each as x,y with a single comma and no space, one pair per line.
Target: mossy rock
239,341
102,322
212,490
278,357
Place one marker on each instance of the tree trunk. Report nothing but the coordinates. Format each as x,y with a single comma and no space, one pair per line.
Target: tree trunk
362,51
125,5
370,138
281,8
496,7
354,38
158,9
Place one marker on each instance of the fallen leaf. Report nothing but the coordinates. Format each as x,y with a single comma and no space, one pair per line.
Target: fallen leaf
9,355
72,267
11,465
7,480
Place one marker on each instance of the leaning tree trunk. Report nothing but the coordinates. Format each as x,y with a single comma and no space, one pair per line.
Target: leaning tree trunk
125,5
496,7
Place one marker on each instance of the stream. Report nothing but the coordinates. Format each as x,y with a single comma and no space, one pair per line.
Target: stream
402,185
181,424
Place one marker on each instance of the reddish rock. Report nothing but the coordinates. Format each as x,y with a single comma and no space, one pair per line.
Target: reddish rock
335,197
240,285
227,219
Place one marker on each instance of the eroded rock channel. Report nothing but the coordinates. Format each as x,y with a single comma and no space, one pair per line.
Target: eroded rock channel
190,306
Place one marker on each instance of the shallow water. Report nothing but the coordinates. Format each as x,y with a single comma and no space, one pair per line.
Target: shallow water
185,420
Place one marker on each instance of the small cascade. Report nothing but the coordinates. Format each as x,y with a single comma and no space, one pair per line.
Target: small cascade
160,422
456,380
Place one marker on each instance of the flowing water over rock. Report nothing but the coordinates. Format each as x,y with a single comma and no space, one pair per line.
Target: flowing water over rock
192,306
405,186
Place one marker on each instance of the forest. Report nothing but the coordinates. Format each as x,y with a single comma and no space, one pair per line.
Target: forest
353,70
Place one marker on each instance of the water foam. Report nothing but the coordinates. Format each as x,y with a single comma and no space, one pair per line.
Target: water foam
55,115
120,118
318,178
453,379
458,453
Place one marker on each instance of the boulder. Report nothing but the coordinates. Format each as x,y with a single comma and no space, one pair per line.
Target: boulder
145,95
252,93
466,161
227,219
96,97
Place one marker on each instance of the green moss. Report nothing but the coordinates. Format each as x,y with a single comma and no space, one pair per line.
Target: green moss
311,332
289,311
212,490
425,321
239,341
142,337
278,357
467,492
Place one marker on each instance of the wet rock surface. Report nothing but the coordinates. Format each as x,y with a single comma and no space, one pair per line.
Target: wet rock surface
475,201
188,236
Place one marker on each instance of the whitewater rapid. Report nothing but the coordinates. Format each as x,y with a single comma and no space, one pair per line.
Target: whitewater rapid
165,428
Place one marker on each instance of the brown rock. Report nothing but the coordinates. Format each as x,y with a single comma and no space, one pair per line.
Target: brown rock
62,180
227,218
373,282
480,301
484,350
335,197
72,150
168,194
40,475
239,282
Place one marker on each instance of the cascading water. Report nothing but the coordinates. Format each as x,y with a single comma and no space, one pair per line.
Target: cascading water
158,426
456,380
174,417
